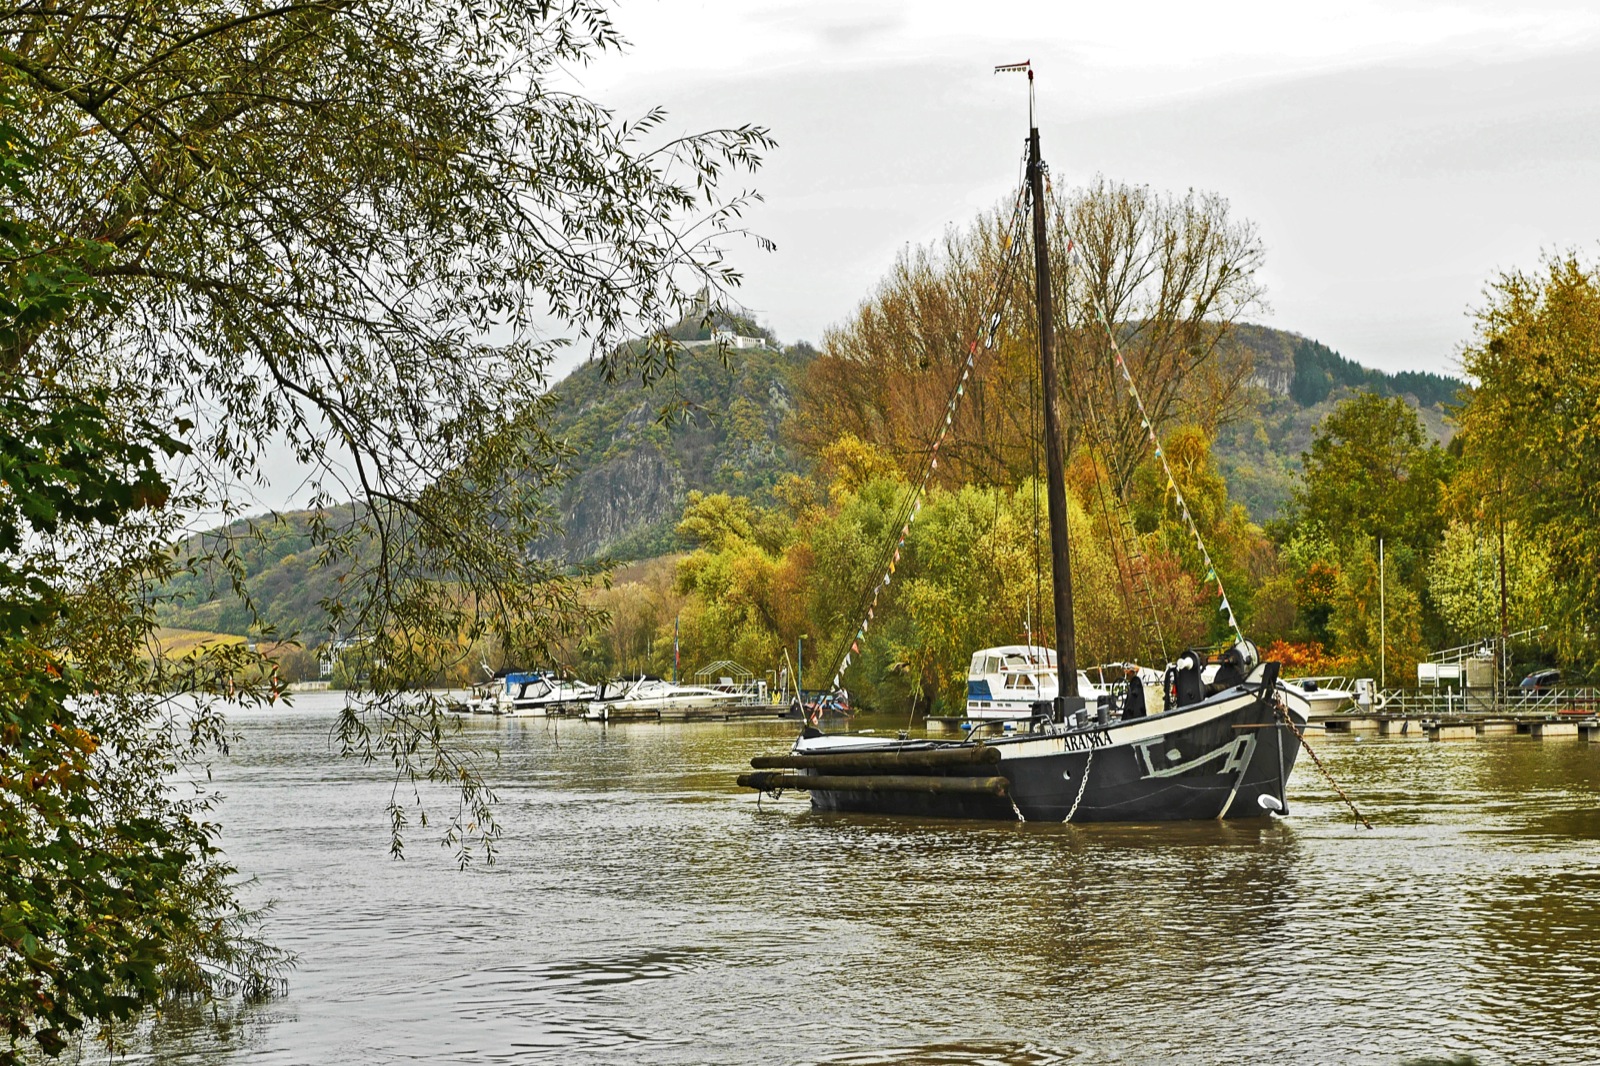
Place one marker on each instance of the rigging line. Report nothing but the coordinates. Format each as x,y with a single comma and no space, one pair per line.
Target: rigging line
1117,547
911,504
1120,550
1212,573
1122,535
907,512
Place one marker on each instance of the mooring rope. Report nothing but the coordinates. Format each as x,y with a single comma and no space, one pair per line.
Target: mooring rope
1283,712
1083,785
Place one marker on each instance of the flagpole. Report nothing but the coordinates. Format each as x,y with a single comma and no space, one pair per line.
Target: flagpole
1383,626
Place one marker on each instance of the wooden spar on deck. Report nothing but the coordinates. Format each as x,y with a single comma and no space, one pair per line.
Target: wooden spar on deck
881,761
1055,480
772,780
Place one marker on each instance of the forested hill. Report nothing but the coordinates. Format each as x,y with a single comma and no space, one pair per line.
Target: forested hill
718,426
1309,372
632,469
1299,380
636,453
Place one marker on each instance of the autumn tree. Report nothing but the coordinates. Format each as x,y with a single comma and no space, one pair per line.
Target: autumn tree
1310,562
113,893
1371,472
732,580
975,580
1162,279
1238,550
1377,619
973,573
1464,580
632,628
971,585
1531,428
886,376
1171,275
1371,501
358,229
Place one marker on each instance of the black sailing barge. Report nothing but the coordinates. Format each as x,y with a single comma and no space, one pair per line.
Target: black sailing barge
1223,746
1225,756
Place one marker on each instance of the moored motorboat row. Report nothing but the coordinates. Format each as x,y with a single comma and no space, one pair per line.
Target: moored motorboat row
539,694
524,694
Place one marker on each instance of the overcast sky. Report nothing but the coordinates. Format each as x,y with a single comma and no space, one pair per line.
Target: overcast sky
1394,155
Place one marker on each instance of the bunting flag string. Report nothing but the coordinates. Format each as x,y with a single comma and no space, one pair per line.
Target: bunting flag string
988,339
1148,426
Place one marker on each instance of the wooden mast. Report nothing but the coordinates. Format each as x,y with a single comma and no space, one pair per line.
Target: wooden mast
1055,480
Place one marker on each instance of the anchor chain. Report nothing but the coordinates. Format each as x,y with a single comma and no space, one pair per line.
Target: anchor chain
1083,785
1283,712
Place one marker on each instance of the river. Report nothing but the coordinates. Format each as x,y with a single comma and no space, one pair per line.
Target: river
644,910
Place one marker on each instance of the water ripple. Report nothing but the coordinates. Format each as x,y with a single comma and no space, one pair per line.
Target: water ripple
644,911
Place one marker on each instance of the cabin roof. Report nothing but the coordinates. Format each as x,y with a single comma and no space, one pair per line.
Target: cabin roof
1049,654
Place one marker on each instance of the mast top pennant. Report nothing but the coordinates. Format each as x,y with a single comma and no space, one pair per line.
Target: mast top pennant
1024,67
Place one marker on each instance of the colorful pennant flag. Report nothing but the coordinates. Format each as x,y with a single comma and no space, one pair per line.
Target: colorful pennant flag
1172,484
988,332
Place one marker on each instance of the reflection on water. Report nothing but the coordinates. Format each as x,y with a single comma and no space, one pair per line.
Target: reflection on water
644,910
964,1053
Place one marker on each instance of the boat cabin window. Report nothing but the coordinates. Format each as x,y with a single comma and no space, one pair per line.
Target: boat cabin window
1020,681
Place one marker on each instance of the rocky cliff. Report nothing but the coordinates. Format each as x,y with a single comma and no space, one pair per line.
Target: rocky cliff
637,452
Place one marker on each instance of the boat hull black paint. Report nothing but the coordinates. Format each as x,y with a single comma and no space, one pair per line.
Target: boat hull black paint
1213,760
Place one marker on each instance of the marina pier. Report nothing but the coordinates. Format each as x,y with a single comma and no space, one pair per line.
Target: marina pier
1567,714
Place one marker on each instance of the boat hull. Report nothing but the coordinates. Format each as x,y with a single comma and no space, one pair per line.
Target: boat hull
1215,759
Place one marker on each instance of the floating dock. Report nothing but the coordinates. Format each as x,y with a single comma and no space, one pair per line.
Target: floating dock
695,714
1541,725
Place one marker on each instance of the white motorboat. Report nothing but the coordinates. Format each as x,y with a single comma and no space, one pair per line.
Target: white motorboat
539,695
1325,694
482,697
1006,682
648,695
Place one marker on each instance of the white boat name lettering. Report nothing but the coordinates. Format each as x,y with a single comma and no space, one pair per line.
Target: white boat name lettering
1085,741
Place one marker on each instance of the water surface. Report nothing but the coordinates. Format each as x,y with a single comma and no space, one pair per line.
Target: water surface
643,910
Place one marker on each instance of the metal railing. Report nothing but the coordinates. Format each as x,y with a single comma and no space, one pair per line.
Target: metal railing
1481,703
1487,648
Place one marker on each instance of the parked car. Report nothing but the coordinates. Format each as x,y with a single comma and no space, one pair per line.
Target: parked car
1540,681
